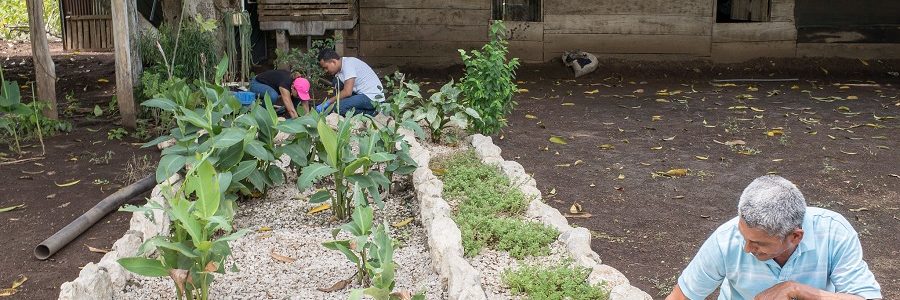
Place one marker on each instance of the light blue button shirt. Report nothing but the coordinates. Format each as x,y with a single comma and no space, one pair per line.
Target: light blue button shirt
828,258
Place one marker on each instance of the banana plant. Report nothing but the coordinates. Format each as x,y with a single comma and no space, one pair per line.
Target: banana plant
344,166
198,245
11,107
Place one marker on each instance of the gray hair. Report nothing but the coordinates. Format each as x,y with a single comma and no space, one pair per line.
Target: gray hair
773,204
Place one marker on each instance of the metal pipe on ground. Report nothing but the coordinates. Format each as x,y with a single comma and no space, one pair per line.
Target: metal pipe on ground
112,202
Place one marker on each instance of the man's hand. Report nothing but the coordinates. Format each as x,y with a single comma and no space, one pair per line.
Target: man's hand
783,291
789,290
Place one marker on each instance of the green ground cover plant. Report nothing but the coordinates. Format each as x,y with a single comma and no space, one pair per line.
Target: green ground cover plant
489,209
562,282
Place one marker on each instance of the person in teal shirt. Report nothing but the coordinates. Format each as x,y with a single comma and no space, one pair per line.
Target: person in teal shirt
778,248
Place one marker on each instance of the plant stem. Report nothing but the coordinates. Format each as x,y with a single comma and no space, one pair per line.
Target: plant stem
339,190
37,120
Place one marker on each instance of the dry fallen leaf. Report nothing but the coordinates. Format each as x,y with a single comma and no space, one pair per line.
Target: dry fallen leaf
403,222
577,162
568,104
337,286
851,97
96,250
607,147
621,177
564,165
656,148
581,215
103,80
576,208
439,171
530,117
676,172
522,91
211,267
67,184
6,209
849,153
264,229
669,138
735,142
320,208
656,118
701,157
858,209
552,191
281,258
557,140
775,132
592,92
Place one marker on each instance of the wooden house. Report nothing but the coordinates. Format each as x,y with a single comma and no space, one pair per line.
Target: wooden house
429,32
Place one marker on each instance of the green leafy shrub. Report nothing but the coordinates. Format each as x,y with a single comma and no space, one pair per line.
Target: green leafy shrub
24,121
554,283
440,111
196,54
489,209
14,19
201,228
346,168
489,82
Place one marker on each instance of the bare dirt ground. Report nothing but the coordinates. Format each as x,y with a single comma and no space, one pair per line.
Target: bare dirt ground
86,155
833,132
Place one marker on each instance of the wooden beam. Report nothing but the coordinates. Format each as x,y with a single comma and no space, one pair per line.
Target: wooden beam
124,60
44,68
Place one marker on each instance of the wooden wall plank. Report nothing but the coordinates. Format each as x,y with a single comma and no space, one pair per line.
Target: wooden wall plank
628,24
741,51
441,4
525,31
422,61
424,32
782,11
414,48
700,8
754,32
627,44
527,51
424,16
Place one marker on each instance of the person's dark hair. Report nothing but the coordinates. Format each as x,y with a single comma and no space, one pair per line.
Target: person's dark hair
328,54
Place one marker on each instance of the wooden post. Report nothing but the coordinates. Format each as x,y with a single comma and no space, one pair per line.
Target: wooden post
44,68
124,80
339,44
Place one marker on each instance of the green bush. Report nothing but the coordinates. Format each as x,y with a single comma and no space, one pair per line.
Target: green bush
195,58
15,14
554,283
489,83
489,209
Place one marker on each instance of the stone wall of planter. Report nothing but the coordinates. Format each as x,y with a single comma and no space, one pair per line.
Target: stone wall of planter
98,281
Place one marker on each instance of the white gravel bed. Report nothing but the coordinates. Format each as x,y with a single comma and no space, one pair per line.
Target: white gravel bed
492,264
288,230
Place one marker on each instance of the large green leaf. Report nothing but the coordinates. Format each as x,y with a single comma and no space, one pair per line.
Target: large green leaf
229,157
194,118
169,165
351,168
161,242
382,157
228,137
362,181
11,94
181,210
156,141
243,170
297,152
312,173
292,126
144,266
276,175
208,193
164,104
257,179
344,247
320,196
258,150
362,219
221,69
329,140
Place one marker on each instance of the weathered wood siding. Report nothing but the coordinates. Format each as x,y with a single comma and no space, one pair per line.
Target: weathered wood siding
420,32
742,41
640,27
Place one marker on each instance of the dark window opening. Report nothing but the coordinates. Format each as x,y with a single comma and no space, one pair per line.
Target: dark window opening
738,11
517,10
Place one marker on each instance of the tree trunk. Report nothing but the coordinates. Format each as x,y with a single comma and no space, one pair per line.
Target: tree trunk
44,68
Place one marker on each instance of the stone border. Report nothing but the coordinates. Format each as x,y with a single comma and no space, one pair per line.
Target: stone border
461,280
577,240
100,280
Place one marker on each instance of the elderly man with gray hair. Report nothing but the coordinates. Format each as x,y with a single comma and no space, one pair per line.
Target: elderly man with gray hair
778,248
